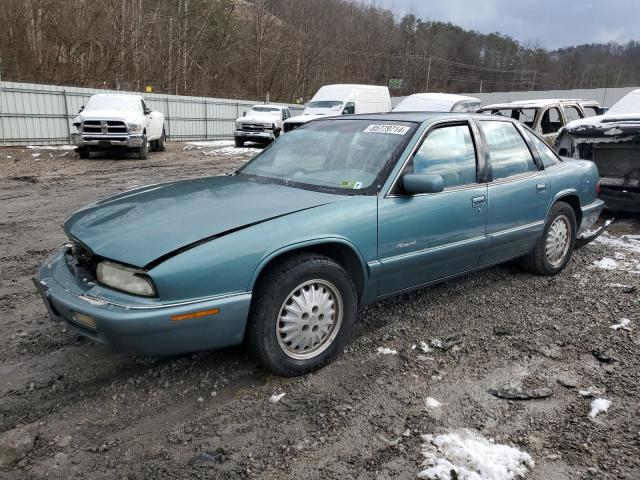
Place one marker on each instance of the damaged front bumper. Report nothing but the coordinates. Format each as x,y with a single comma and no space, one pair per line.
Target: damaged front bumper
143,326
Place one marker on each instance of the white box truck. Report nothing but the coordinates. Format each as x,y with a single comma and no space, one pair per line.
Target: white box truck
334,100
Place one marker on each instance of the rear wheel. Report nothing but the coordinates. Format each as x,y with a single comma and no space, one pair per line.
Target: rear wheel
555,247
160,143
239,142
302,316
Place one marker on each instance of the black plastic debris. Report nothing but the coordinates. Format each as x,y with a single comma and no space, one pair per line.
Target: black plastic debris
630,289
449,342
604,357
206,459
501,331
520,394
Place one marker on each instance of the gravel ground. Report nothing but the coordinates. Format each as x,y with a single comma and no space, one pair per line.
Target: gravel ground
94,414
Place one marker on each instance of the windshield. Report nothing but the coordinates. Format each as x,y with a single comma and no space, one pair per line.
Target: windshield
113,102
523,115
265,109
338,154
332,104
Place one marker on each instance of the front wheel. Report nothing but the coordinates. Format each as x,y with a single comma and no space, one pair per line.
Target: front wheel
555,247
239,142
302,316
144,149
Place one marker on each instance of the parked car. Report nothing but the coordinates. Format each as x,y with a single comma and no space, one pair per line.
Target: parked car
111,122
612,141
341,212
545,116
333,100
262,123
437,102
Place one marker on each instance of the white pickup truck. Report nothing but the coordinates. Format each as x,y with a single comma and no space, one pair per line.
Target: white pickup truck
262,123
118,122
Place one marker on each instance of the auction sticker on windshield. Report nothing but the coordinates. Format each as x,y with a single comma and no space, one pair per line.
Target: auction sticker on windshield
393,129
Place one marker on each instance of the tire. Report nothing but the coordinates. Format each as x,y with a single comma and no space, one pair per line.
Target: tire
160,143
84,154
239,142
550,256
292,353
144,149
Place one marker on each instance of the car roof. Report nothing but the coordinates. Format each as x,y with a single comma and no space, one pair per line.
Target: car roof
416,117
539,103
269,105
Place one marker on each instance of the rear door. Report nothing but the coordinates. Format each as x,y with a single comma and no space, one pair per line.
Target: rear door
551,121
422,238
518,192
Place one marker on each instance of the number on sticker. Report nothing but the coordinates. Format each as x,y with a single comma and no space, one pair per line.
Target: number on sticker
393,129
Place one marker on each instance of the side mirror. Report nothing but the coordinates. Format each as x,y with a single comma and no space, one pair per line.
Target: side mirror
81,109
244,114
416,183
147,111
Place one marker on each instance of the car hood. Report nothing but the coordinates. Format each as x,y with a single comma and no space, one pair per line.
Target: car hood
151,223
124,115
260,118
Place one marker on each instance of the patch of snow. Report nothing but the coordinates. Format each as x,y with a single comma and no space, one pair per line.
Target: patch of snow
624,325
51,147
625,242
431,403
471,457
599,405
424,347
386,351
208,144
35,155
606,263
232,152
618,285
276,398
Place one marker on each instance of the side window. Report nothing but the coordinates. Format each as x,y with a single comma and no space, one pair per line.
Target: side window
349,109
508,151
549,159
572,113
551,121
450,153
591,111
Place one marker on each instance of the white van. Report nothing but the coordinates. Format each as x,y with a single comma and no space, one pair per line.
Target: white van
334,100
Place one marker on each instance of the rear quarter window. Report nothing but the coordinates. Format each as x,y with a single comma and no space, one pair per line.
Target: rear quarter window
549,159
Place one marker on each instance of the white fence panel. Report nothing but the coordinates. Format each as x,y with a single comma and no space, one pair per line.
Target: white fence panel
32,114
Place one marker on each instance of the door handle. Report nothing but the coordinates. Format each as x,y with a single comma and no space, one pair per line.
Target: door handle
541,187
478,201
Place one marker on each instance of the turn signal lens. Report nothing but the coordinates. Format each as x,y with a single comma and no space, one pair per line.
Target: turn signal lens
85,320
598,188
201,313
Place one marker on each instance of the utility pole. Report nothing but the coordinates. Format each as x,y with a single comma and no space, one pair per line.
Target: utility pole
480,86
426,89
1,105
533,82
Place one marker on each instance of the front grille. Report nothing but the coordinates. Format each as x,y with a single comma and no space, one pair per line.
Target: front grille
104,127
253,127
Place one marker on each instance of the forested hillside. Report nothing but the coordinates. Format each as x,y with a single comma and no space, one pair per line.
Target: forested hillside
287,48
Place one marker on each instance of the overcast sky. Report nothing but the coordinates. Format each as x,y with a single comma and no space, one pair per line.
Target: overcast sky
554,23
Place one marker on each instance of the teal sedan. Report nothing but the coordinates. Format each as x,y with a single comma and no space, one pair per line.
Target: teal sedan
338,213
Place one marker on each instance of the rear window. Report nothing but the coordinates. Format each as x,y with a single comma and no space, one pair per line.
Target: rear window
549,159
508,151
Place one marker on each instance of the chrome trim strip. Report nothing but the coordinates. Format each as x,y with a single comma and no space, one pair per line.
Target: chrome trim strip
516,229
101,301
435,249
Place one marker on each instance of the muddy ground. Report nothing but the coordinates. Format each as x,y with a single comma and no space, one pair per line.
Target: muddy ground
103,415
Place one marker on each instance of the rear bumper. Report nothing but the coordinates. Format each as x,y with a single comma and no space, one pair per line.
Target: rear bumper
590,215
107,141
621,200
140,328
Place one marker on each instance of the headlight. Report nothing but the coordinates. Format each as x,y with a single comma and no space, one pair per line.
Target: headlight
127,279
134,127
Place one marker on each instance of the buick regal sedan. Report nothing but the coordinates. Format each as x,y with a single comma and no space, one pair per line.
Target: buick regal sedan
338,213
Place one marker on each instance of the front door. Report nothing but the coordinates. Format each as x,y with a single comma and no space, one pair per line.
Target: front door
422,238
518,195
